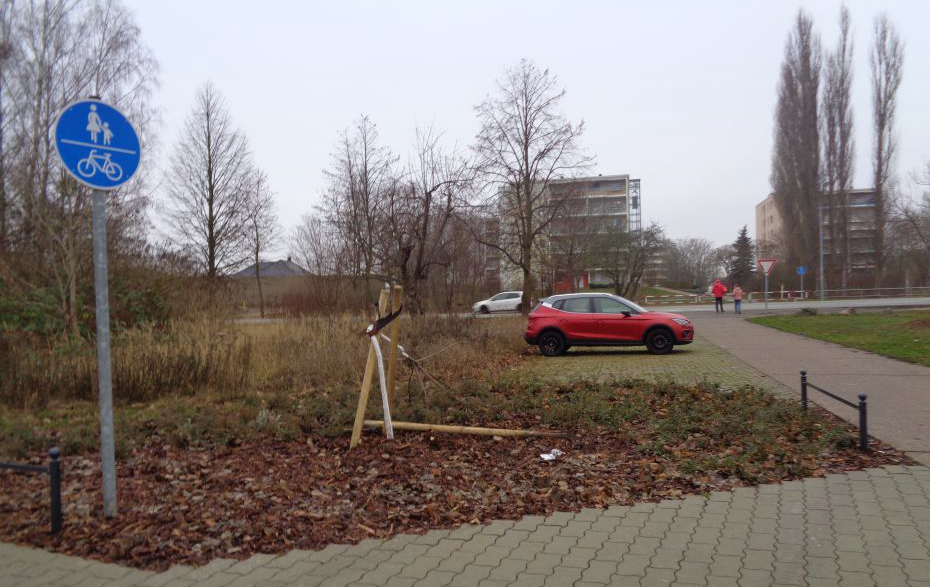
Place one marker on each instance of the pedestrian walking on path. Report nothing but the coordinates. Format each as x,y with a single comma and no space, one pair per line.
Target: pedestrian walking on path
718,290
737,298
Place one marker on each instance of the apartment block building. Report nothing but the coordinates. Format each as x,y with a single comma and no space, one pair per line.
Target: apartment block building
591,206
861,211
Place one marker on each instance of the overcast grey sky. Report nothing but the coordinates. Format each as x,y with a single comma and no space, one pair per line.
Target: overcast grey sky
679,94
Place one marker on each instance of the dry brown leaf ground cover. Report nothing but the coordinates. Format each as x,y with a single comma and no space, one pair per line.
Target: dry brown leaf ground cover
633,441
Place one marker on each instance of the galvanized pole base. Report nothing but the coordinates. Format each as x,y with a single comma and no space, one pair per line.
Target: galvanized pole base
104,374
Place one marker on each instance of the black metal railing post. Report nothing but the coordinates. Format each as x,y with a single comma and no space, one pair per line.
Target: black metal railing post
863,424
54,476
804,390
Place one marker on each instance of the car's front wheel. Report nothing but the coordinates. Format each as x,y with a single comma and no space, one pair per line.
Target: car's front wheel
552,344
660,341
484,310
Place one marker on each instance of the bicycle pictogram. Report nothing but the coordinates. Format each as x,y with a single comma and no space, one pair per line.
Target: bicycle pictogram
94,162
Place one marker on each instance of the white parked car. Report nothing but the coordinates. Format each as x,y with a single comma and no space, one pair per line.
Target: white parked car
507,301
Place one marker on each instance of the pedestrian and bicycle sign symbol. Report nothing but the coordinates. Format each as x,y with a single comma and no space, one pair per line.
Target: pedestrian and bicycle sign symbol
802,269
97,144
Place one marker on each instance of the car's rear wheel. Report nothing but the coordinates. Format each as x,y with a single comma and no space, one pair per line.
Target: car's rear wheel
484,310
660,341
552,344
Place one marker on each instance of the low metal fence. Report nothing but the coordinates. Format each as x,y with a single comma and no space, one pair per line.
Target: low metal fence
862,407
53,470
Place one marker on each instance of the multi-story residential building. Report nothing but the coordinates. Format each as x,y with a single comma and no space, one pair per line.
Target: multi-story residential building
591,207
768,228
861,212
588,207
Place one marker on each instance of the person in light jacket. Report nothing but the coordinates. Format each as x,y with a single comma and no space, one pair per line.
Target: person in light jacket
718,290
737,298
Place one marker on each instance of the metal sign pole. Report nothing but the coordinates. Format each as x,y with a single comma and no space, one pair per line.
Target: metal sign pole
104,374
766,287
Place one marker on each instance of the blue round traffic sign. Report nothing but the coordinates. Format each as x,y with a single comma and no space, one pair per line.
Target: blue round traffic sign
802,270
97,144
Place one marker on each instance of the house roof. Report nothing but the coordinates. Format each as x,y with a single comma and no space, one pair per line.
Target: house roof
281,268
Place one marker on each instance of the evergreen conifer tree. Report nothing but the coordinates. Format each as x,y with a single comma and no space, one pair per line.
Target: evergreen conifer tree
743,261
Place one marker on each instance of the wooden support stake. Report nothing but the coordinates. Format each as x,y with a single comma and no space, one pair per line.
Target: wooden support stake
397,299
469,429
366,380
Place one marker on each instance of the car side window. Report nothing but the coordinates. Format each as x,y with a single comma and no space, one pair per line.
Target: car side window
513,296
499,297
610,306
576,305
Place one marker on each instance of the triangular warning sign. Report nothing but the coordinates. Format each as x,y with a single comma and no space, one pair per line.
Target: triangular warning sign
767,264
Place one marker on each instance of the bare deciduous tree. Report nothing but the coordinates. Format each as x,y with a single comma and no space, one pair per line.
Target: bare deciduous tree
886,60
261,225
361,172
692,261
838,147
419,210
623,257
209,186
57,51
525,142
795,176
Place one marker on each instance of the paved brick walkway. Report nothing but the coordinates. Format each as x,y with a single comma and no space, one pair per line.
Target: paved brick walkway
862,528
899,392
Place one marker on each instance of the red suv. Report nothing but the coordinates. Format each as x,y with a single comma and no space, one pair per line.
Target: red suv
563,321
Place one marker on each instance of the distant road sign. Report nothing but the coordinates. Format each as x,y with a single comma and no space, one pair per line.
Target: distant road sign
802,270
97,144
767,264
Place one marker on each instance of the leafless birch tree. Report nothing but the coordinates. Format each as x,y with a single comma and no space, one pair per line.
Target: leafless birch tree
261,226
361,171
886,60
525,142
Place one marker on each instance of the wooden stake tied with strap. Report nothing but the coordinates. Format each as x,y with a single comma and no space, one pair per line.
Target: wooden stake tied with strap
366,379
397,299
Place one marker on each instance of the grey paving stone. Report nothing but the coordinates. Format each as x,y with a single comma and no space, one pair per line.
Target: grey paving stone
653,578
435,579
526,551
525,580
633,565
471,576
578,557
512,538
692,573
508,570
543,564
917,570
592,539
562,576
599,572
561,545
420,567
726,566
788,573
889,576
667,558
755,578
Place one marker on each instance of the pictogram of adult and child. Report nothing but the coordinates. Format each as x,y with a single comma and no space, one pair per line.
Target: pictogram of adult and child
94,162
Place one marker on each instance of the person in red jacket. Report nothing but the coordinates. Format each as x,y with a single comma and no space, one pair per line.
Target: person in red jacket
718,290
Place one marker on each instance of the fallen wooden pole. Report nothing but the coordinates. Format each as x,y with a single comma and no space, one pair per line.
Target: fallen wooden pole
468,429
